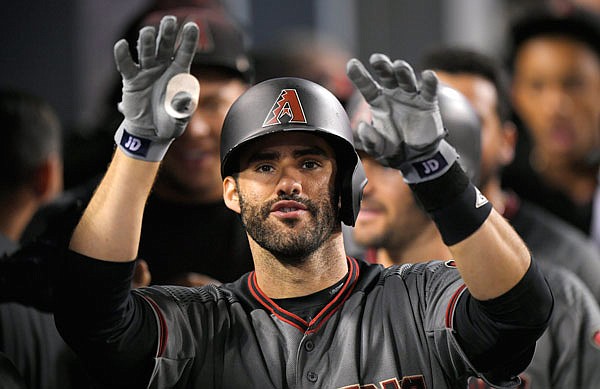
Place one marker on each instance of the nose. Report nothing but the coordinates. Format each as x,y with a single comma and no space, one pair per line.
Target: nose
288,184
198,125
555,100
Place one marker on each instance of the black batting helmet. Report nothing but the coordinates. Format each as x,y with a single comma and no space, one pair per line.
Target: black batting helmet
294,104
464,129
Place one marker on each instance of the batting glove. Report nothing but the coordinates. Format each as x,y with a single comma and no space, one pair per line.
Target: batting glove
406,132
159,94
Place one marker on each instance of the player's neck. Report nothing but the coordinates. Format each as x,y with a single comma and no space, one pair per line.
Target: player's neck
317,271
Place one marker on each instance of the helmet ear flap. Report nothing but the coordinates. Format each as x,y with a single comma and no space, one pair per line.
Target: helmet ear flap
351,191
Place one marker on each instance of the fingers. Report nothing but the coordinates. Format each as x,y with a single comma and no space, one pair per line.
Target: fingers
368,138
167,33
429,85
384,69
363,80
161,48
390,75
146,46
123,59
189,42
405,76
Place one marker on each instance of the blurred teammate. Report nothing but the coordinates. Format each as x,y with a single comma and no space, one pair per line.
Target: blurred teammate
555,64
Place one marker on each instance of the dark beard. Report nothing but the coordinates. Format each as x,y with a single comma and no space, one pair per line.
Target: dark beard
291,248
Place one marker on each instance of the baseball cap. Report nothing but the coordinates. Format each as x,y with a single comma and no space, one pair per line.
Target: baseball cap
221,41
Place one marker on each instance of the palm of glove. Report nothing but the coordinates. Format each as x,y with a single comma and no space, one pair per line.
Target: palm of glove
406,121
145,85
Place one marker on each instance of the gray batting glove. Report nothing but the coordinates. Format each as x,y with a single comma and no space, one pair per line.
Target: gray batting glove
159,94
406,132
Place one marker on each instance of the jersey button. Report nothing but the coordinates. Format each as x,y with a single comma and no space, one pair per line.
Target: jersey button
309,346
312,376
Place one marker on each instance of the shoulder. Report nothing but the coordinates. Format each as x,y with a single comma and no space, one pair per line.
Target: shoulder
431,269
568,289
427,279
183,297
537,225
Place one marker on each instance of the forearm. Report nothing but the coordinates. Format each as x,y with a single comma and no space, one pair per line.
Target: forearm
111,224
490,255
493,259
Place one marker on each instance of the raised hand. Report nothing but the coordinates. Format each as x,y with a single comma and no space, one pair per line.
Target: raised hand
159,94
406,131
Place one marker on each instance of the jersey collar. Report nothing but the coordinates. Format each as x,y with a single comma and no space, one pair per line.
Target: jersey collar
320,318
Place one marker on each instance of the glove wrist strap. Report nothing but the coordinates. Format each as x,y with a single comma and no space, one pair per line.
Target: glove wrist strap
455,205
142,148
431,166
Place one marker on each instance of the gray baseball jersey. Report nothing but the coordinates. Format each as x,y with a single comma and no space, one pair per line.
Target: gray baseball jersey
384,329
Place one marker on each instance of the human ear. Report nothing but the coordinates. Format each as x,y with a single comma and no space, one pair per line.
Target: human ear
231,195
47,178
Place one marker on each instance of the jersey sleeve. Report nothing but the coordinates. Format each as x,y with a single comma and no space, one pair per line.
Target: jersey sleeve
194,325
469,337
499,335
112,330
428,294
175,339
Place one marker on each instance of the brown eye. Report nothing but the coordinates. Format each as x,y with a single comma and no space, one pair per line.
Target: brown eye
310,165
265,168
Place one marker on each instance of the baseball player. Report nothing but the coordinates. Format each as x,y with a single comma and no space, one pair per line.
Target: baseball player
308,316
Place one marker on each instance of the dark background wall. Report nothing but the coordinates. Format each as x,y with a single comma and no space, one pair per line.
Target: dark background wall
62,49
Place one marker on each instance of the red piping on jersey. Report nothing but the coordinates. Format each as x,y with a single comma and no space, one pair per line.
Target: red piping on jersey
452,306
162,327
339,299
322,316
258,294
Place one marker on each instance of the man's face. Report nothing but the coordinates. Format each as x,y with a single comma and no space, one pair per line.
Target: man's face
556,90
191,169
286,194
497,138
389,217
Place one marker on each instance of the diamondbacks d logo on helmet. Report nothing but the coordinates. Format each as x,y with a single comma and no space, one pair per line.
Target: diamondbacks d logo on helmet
287,105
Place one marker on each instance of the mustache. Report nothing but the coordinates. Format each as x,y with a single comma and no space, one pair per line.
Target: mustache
309,204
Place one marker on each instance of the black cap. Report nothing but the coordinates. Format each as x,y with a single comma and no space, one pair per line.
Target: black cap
580,24
221,41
